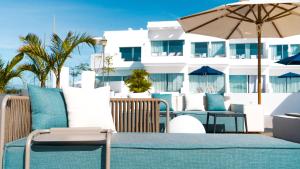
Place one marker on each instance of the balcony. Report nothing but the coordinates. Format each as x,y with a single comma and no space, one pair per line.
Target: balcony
118,62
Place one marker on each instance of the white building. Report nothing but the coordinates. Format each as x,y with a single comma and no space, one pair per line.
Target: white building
169,55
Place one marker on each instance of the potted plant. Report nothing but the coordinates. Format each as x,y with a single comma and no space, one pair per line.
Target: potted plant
138,83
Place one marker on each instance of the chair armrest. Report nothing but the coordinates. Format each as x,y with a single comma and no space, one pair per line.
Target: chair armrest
238,108
15,120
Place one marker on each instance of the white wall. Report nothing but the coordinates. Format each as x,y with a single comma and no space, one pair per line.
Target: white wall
88,79
273,103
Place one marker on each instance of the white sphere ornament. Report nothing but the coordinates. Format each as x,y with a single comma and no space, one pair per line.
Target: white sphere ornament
186,124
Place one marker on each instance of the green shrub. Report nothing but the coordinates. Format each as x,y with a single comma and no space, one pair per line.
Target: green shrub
138,82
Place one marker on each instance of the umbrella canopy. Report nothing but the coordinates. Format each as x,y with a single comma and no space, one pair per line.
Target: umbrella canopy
289,75
239,20
247,19
294,60
206,70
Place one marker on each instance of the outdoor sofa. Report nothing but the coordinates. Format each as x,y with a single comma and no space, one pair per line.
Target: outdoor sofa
287,127
254,115
142,150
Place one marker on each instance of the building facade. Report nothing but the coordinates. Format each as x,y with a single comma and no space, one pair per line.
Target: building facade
169,55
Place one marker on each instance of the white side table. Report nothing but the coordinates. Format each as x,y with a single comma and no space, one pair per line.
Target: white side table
255,116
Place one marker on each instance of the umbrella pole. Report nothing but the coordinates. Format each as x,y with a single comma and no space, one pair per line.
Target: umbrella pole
259,64
258,27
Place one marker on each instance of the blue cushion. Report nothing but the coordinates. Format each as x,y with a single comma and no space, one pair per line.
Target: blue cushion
215,102
163,151
48,108
166,97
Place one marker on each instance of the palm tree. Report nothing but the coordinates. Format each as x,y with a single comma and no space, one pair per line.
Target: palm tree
8,71
40,63
61,50
43,59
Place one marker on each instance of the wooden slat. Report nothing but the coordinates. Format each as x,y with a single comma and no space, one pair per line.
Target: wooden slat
145,108
141,121
129,111
145,116
121,114
152,108
137,116
134,116
157,116
134,107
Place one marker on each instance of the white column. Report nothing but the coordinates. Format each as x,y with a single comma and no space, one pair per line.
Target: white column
88,79
64,77
186,82
227,83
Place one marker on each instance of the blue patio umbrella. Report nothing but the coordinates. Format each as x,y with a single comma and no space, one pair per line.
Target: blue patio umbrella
293,60
288,75
205,71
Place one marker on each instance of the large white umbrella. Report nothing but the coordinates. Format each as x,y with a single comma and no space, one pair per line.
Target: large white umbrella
247,19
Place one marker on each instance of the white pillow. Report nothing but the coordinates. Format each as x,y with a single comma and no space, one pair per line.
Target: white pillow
194,102
89,107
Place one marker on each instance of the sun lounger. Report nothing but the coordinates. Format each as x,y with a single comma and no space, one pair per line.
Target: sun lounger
163,151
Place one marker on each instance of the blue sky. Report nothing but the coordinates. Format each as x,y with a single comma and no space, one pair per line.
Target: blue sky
19,17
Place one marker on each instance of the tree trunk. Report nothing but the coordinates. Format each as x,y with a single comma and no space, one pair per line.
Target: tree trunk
58,81
43,83
57,76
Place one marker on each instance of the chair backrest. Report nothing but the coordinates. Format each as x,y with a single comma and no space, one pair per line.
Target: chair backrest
136,115
15,118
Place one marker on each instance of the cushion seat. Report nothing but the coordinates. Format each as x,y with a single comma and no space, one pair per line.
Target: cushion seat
163,151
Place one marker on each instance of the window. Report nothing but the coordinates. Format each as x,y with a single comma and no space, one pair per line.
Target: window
209,84
238,83
279,52
285,85
167,82
201,49
245,83
253,50
217,49
167,48
245,51
241,51
131,53
295,49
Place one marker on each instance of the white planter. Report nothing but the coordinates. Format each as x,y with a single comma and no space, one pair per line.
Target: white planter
139,95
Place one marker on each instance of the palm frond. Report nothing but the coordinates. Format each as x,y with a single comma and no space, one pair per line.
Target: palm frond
14,61
33,47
